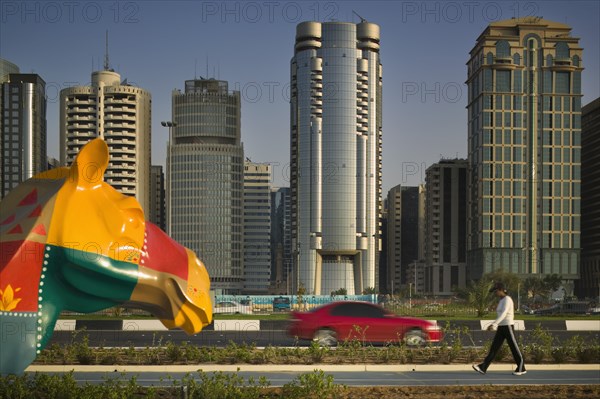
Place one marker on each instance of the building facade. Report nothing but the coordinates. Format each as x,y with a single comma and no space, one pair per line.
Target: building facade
257,228
405,234
524,148
121,115
336,82
205,161
157,197
281,241
446,227
22,127
588,286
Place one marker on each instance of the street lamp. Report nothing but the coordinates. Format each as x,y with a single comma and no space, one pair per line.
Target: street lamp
415,273
519,296
170,125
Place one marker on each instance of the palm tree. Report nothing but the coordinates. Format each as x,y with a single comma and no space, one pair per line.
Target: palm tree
479,296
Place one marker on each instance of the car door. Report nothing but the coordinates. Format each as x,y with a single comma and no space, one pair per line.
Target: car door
356,321
382,327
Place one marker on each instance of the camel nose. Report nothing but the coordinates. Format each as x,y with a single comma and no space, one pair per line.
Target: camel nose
196,312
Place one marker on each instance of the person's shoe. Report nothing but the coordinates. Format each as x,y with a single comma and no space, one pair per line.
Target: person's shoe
478,369
519,372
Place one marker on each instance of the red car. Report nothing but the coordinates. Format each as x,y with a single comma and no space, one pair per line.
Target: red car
363,321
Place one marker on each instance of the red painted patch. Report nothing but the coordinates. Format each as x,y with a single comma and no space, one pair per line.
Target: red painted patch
30,199
16,230
163,253
39,229
8,220
37,212
21,266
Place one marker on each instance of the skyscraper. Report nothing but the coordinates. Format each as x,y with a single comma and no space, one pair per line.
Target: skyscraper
524,110
589,284
446,226
121,115
405,223
257,228
205,161
336,81
157,197
281,240
22,127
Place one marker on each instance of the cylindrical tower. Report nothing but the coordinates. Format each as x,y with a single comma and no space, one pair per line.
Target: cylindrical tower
335,153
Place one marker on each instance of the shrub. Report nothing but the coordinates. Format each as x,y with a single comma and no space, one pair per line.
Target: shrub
311,385
221,385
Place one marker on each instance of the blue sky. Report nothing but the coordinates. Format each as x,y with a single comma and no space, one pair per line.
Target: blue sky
157,45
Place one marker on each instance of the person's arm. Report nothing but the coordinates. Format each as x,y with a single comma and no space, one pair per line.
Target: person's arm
502,312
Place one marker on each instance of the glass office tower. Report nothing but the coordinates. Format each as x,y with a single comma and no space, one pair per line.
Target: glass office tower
524,79
22,127
205,161
336,81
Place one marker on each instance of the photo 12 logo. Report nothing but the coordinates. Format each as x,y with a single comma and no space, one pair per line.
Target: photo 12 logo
452,12
71,12
252,12
437,92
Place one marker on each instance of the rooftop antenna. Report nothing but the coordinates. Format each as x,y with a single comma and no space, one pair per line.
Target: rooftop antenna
207,67
361,18
106,53
196,69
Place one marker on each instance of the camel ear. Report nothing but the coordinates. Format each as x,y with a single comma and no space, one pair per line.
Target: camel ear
90,164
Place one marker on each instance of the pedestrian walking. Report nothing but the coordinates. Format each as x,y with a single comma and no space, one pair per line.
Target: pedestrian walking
505,330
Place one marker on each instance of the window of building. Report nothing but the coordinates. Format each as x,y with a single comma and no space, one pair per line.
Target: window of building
563,82
562,51
502,49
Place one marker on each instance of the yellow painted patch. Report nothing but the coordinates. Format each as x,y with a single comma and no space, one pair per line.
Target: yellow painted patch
7,298
93,216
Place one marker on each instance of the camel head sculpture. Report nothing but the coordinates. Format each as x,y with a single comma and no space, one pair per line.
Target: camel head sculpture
69,241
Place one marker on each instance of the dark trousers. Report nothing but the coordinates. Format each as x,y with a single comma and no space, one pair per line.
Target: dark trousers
504,333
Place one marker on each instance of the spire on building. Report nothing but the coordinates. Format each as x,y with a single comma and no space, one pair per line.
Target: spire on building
106,64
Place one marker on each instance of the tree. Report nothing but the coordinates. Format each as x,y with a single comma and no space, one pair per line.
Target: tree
301,292
477,292
536,286
369,291
341,291
552,282
510,280
478,296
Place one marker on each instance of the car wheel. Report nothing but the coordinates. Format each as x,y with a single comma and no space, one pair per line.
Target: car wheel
325,337
415,337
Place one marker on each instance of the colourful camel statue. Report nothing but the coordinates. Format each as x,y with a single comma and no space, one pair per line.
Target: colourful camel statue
69,241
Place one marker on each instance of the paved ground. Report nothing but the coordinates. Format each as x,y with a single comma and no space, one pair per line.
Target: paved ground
355,375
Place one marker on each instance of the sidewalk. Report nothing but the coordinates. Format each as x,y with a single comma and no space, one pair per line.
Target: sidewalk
299,368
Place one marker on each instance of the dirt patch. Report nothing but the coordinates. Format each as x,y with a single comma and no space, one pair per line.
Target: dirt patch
463,392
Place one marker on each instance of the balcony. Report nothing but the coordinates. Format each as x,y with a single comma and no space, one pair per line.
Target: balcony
563,65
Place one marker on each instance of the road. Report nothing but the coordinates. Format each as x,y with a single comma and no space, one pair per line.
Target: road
373,375
108,338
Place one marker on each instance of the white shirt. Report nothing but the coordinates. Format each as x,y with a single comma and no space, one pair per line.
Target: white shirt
505,312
